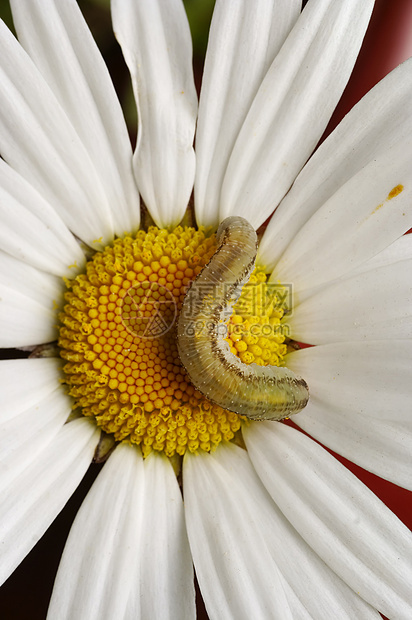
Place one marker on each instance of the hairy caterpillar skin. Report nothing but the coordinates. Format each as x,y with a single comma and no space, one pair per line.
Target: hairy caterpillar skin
258,392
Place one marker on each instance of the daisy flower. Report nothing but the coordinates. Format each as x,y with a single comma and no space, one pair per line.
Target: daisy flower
273,524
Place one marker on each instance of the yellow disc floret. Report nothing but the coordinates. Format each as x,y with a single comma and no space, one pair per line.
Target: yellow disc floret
255,332
118,337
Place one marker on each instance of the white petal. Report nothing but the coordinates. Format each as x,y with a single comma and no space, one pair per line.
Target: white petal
59,42
155,39
98,563
130,522
370,379
379,121
31,230
293,106
25,322
401,249
38,494
29,300
374,305
166,571
42,287
367,216
243,41
26,382
379,446
28,303
25,435
351,529
236,573
246,536
38,140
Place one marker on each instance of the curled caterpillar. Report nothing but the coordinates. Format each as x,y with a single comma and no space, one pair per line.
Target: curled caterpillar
258,392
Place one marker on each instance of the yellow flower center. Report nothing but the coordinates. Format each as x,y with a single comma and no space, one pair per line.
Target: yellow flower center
117,335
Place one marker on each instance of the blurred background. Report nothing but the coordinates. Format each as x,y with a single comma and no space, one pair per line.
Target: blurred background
388,42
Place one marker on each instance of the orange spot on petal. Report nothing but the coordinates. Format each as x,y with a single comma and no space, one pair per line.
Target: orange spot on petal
392,194
395,192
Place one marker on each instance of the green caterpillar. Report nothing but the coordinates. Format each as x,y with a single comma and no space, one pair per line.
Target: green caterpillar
258,392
